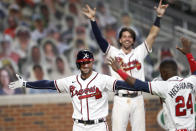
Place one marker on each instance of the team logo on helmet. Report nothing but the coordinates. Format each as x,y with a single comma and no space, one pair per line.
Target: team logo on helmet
84,56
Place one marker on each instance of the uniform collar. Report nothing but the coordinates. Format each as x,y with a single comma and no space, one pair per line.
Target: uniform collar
91,77
121,51
175,78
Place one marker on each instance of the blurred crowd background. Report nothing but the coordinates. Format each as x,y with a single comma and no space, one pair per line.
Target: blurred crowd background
39,39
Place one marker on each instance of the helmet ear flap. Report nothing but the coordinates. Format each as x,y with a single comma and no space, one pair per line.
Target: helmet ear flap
78,65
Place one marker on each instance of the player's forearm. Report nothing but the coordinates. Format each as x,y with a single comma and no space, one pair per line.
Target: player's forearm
42,84
133,84
192,63
122,85
152,36
103,44
138,86
154,31
142,86
130,80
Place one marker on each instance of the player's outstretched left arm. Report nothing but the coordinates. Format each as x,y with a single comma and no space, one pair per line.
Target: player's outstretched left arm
42,84
186,50
155,29
131,83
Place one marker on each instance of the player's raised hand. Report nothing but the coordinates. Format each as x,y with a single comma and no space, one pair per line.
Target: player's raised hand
161,9
114,63
17,84
89,12
186,46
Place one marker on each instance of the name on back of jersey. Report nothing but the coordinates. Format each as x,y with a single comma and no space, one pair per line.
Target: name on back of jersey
180,86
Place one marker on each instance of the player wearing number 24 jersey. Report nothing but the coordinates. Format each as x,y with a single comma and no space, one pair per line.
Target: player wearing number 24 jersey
178,94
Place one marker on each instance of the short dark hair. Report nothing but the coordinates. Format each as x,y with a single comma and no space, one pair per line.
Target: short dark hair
132,32
37,66
58,58
169,64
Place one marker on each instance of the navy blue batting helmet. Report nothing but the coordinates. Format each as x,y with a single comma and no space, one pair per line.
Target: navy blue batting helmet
84,56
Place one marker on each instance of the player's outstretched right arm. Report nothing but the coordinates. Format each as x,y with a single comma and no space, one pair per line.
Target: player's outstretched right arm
155,29
42,84
90,13
186,50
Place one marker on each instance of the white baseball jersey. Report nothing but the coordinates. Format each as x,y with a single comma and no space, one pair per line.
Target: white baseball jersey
167,117
178,95
90,96
133,63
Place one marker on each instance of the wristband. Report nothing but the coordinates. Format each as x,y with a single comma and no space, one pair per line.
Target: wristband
192,62
123,74
189,55
157,21
92,18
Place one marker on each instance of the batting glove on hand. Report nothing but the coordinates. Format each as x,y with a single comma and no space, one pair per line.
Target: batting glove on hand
17,84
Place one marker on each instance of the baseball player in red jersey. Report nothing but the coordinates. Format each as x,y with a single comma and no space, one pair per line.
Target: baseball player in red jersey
177,94
88,91
128,105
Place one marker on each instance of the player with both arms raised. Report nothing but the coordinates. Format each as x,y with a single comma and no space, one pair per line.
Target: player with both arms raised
128,105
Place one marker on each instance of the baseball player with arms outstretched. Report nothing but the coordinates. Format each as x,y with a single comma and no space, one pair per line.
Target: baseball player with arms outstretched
88,91
178,94
128,105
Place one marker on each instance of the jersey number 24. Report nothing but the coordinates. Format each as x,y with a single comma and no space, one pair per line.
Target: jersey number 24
182,106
